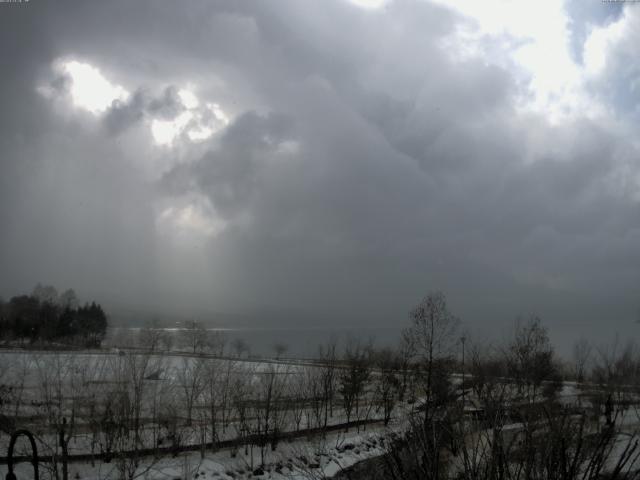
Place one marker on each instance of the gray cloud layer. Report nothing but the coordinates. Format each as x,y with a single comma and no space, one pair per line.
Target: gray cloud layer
364,165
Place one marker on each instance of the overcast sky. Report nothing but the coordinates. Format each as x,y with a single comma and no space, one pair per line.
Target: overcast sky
326,159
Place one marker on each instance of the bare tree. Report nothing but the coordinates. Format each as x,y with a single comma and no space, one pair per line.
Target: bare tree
268,412
328,376
297,401
213,374
405,353
431,337
45,294
13,374
195,336
54,372
432,334
315,396
354,377
123,414
225,392
555,443
531,359
190,377
280,349
386,382
616,372
581,355
171,431
217,342
152,336
68,299
241,391
240,346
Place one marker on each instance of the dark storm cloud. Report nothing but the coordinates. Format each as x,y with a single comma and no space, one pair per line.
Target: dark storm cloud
168,105
124,114
231,174
364,165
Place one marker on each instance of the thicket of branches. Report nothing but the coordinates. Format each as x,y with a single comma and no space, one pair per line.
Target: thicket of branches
507,421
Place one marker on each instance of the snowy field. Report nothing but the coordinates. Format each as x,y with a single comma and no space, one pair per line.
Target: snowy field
177,416
247,413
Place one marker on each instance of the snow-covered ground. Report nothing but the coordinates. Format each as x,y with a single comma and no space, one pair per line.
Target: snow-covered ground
47,386
50,383
315,458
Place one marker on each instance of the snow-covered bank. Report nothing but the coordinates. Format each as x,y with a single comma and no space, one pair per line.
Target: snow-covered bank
302,459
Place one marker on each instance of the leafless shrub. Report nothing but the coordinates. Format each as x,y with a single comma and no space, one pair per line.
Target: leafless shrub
530,360
190,376
387,384
581,356
354,376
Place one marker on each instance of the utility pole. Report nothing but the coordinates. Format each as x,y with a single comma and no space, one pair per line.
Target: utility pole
462,340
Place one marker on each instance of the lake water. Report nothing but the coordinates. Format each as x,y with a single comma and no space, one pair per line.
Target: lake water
302,342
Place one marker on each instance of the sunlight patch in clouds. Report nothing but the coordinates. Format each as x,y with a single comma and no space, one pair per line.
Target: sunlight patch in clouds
541,47
599,43
166,131
188,99
190,219
85,87
90,89
198,122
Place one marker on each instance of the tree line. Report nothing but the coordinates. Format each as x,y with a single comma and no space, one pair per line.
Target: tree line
46,316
